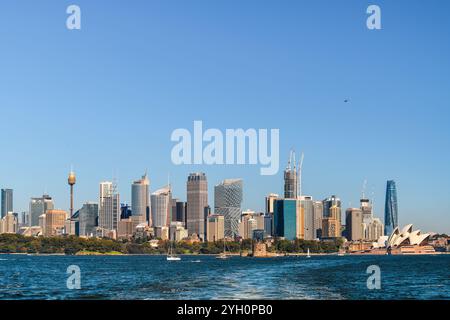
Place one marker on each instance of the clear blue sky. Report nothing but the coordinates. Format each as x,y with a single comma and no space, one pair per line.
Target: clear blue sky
106,98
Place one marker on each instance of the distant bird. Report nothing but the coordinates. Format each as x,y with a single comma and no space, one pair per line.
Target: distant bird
346,100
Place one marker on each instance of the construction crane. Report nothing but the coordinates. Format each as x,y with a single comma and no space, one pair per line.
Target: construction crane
299,175
288,167
293,158
363,191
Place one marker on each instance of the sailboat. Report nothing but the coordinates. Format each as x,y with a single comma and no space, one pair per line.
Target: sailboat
307,254
172,256
223,255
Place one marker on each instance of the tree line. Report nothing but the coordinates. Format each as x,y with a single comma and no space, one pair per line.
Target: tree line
70,245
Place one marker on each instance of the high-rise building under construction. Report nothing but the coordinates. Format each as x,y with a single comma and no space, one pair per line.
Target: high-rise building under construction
290,179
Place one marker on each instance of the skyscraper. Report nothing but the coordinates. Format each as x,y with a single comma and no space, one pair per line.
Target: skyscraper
354,224
307,204
331,220
8,224
87,217
173,210
268,225
366,208
251,226
54,222
227,202
374,230
372,227
109,206
318,215
177,231
23,219
125,211
331,225
7,201
178,211
269,203
197,201
39,206
290,179
390,209
215,227
160,207
140,198
328,204
288,219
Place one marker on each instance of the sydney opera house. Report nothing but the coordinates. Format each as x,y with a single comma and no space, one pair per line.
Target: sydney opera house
405,241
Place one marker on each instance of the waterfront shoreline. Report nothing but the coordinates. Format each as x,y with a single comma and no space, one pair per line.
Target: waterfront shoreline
164,254
277,255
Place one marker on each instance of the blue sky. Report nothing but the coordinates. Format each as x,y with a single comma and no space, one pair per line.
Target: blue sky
107,97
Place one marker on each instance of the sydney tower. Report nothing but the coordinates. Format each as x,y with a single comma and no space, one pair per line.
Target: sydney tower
71,180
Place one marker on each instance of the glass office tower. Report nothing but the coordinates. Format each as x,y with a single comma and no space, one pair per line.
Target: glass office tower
391,209
88,219
285,219
7,201
140,198
228,197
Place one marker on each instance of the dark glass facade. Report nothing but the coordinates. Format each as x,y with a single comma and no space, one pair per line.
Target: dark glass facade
125,211
7,201
390,209
285,218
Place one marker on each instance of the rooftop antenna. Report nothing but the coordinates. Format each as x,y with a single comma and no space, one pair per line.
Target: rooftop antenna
168,181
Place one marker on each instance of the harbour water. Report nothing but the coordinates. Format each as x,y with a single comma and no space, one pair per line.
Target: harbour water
204,277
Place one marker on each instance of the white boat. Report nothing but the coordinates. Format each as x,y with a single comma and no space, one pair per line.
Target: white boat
223,255
171,256
308,255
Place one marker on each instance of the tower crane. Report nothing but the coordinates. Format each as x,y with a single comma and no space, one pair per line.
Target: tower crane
299,175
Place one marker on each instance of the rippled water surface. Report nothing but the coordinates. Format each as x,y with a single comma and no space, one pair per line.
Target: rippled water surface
204,277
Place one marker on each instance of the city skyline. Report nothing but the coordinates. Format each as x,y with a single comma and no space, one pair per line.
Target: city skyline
360,104
228,195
